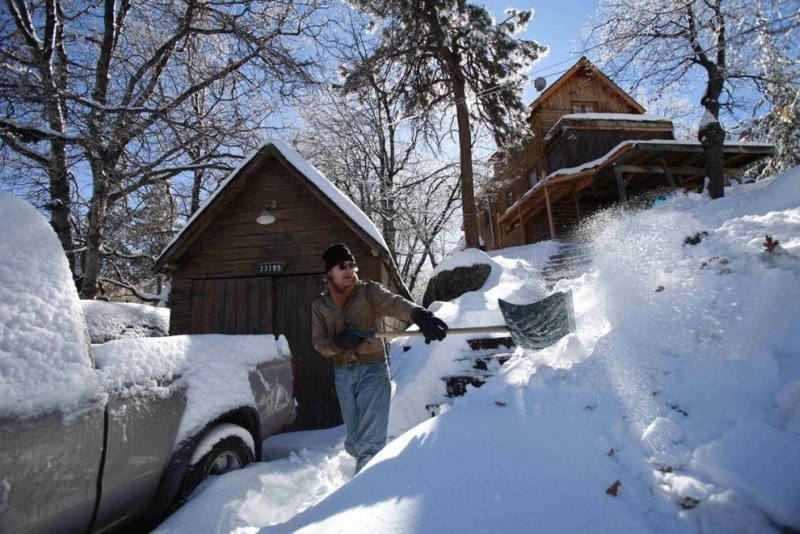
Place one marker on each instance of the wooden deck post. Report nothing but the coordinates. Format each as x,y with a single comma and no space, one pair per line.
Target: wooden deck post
522,229
620,184
549,213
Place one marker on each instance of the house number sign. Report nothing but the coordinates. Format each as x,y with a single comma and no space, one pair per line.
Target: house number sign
275,267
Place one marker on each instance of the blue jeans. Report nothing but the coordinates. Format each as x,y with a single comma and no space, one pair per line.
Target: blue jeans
364,392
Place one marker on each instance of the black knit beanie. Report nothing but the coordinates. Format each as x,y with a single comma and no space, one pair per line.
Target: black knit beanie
336,254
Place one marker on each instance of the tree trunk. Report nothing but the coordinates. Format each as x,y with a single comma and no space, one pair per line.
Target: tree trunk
465,155
389,214
712,137
95,234
60,200
711,134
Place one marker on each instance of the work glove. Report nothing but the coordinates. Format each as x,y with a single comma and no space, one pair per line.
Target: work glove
347,340
431,326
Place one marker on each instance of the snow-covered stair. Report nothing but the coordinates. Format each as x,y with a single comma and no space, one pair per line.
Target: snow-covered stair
487,355
570,261
479,364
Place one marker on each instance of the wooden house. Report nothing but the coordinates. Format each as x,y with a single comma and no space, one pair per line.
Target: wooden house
592,145
232,275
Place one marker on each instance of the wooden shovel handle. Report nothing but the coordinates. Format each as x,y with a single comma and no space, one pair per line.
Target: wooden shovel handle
499,329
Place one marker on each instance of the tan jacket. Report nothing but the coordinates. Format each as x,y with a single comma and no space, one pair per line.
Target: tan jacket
363,310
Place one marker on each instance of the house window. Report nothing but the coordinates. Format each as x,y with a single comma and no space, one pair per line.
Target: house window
584,106
509,199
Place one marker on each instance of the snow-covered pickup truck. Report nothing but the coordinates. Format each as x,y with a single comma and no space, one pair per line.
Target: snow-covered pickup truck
95,437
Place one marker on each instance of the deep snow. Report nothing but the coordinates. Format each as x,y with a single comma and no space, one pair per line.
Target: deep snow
44,349
682,383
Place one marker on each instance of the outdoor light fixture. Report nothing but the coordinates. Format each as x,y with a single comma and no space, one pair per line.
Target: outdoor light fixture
266,216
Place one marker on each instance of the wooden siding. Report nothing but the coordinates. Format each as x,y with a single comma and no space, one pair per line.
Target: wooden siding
583,87
577,142
233,243
318,405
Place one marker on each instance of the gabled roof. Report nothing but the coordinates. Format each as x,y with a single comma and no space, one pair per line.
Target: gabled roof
318,184
582,64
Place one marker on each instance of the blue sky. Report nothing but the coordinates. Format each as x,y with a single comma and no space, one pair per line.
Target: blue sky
556,24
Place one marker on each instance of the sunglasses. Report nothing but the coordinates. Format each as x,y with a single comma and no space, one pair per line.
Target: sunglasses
348,265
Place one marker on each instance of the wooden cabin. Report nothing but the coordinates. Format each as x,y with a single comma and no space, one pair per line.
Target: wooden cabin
232,275
592,146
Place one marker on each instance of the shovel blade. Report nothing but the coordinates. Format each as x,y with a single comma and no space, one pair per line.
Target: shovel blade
542,323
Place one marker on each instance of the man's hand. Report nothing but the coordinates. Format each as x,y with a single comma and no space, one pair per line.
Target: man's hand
433,328
347,340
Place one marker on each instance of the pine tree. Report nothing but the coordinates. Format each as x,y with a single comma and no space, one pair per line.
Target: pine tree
451,50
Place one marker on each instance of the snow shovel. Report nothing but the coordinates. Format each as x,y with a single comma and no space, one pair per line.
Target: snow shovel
532,326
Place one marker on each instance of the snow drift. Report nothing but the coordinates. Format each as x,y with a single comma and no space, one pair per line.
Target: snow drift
44,348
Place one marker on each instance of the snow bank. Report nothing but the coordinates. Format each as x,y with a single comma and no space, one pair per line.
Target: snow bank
762,462
44,351
677,344
200,362
119,320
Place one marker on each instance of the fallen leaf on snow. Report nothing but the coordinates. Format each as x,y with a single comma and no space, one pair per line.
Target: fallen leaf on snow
613,488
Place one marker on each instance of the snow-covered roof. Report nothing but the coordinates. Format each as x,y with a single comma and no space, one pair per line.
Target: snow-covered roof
308,171
614,117
626,117
608,156
331,191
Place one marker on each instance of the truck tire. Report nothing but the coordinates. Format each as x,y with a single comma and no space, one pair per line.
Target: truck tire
228,454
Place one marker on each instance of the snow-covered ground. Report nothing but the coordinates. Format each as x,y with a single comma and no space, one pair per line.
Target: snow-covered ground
674,408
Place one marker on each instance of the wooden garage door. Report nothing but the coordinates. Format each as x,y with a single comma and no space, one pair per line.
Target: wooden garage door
232,306
277,305
314,390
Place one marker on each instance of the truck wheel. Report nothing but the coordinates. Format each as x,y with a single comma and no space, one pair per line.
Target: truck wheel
228,454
